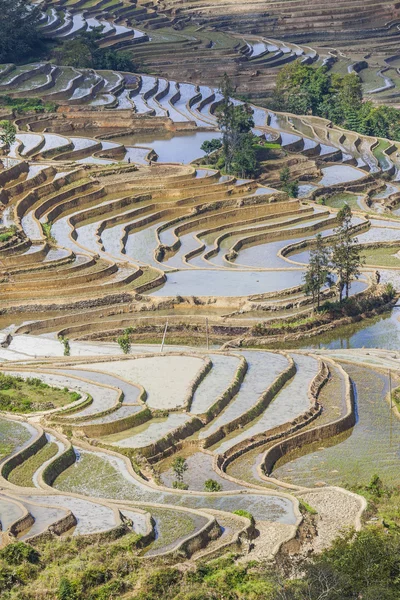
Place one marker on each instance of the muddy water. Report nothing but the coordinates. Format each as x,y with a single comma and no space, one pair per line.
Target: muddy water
200,468
291,401
372,447
176,148
227,283
380,332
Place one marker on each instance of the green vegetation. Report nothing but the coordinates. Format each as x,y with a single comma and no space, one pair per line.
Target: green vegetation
339,200
346,259
8,133
12,435
317,274
306,508
238,152
31,395
179,467
65,342
210,146
244,513
83,52
303,89
7,234
359,565
328,311
19,37
212,486
22,475
396,397
124,340
343,258
290,187
180,485
47,232
23,105
382,257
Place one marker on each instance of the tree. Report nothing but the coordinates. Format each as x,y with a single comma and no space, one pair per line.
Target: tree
235,123
179,466
210,146
65,342
245,162
346,254
75,53
124,341
8,133
290,187
84,52
19,37
317,273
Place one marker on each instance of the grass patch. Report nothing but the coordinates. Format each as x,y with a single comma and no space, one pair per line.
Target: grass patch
306,508
20,395
382,257
339,200
23,105
12,435
23,474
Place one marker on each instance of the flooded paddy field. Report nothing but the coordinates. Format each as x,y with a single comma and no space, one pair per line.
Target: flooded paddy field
354,457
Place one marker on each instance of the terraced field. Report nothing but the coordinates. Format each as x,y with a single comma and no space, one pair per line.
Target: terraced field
119,235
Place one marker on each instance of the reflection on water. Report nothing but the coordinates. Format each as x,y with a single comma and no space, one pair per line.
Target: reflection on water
380,332
182,147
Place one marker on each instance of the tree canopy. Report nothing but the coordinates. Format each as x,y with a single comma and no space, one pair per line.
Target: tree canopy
19,37
304,89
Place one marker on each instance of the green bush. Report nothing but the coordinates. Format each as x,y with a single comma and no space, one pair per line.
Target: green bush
212,486
19,553
180,485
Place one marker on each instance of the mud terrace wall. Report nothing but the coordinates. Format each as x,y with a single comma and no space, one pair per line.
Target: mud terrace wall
287,429
316,434
22,456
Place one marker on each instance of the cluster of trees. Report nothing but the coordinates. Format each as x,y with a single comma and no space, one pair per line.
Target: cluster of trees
83,52
238,148
19,37
303,89
342,260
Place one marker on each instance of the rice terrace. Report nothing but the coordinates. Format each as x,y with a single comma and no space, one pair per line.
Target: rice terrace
199,300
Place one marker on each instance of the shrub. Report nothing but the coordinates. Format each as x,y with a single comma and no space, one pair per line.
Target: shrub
179,467
389,292
124,341
65,342
8,382
180,485
19,553
212,486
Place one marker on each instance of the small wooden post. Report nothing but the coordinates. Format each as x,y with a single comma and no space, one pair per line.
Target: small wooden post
207,337
390,388
163,339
